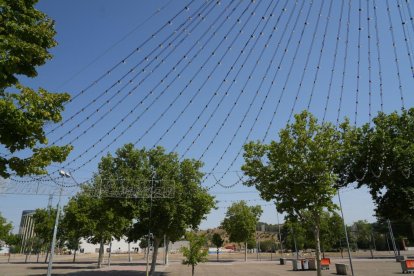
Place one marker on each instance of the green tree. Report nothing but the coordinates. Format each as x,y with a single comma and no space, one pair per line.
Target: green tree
5,228
196,252
44,221
240,223
146,171
364,234
14,241
382,158
96,219
218,241
298,171
26,35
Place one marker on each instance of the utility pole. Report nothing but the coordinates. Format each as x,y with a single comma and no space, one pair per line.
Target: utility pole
346,234
52,247
149,221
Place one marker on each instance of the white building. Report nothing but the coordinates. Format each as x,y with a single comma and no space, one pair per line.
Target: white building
120,246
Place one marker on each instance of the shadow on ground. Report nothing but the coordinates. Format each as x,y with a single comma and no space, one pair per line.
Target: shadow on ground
114,272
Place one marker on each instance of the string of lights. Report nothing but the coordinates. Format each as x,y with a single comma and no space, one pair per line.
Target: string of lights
147,108
249,108
321,52
180,30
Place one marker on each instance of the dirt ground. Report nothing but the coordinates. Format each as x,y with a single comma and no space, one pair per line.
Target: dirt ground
229,264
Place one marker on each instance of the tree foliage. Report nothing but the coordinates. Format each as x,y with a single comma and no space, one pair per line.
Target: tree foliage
154,169
240,222
5,228
26,35
383,159
44,221
196,252
96,219
218,241
298,171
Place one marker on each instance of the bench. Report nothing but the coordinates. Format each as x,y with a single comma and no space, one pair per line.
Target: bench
325,262
341,269
283,261
407,266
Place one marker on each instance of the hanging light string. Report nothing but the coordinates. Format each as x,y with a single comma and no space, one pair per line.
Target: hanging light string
358,77
261,108
138,49
348,22
203,111
137,27
407,19
305,67
107,134
377,36
321,52
279,66
394,47
333,71
137,118
298,17
130,92
407,40
370,80
228,114
220,101
197,12
85,107
176,119
255,96
407,4
181,29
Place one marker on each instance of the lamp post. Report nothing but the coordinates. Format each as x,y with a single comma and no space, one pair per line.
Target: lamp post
52,247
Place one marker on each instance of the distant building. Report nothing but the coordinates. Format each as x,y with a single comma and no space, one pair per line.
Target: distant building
120,246
26,229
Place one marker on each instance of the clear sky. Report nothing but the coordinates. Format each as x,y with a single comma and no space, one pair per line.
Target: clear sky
201,78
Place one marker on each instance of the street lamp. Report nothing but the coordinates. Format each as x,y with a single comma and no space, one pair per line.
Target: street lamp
63,174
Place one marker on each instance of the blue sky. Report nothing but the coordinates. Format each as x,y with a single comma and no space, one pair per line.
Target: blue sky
234,72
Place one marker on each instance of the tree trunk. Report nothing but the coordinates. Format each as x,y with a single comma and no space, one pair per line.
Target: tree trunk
245,251
167,244
154,255
47,255
101,253
109,256
74,256
38,255
192,270
129,252
8,259
217,254
318,249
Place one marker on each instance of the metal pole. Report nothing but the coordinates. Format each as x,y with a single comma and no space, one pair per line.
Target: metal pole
346,234
149,221
280,235
294,241
52,248
392,237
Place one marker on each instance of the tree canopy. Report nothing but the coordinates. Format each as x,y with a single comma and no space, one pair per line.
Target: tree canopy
160,213
196,252
96,219
5,228
240,222
298,171
383,160
26,35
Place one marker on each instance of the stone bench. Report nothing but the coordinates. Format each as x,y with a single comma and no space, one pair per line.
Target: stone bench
341,269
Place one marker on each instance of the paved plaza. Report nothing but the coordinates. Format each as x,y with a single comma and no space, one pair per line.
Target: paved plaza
229,265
